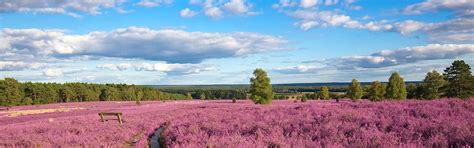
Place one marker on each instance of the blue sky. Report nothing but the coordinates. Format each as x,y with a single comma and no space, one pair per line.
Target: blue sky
222,41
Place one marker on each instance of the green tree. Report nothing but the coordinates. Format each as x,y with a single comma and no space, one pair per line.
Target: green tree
355,90
104,95
432,85
396,88
10,92
376,91
325,92
66,94
260,88
414,91
460,80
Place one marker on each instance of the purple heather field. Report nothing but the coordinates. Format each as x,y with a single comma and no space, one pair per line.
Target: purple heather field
316,123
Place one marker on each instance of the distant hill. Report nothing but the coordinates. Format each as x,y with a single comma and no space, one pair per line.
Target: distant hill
245,86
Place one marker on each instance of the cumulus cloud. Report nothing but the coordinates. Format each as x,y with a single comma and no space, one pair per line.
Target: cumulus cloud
386,58
68,7
154,3
216,9
404,59
18,65
186,13
307,4
53,72
461,7
298,69
174,46
170,69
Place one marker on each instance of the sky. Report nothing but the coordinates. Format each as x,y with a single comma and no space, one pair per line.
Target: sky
175,42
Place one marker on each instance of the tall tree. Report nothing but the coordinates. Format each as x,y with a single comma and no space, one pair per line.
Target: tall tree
460,80
376,91
396,88
432,85
260,88
324,92
355,90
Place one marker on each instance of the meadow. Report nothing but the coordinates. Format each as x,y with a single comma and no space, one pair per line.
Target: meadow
221,123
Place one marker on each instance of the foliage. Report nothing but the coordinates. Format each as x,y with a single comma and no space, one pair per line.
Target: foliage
396,88
432,85
260,87
324,93
304,98
355,90
460,80
376,91
14,93
414,91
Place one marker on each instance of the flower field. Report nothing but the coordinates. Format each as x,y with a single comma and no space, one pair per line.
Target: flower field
243,124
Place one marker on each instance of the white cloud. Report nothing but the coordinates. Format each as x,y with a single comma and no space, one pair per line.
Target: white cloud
461,7
298,69
175,46
219,8
386,58
236,6
53,72
121,66
18,65
212,11
170,69
186,13
154,3
58,6
308,3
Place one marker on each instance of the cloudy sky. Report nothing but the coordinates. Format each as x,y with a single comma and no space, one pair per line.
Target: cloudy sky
222,41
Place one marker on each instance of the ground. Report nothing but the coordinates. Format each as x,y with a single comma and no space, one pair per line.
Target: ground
226,124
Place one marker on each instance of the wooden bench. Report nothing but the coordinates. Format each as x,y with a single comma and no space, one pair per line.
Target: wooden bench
118,114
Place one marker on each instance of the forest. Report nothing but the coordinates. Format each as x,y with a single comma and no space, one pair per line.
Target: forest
15,93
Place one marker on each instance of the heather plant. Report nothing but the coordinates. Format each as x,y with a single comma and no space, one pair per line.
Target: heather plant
460,80
355,90
260,88
376,91
432,85
324,92
396,88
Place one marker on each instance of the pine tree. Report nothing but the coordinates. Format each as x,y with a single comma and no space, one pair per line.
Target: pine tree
396,88
376,91
432,85
355,90
460,80
260,88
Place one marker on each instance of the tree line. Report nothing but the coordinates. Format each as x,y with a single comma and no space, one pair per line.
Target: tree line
14,93
457,81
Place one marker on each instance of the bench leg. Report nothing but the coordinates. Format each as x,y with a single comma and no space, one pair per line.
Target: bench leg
101,117
120,119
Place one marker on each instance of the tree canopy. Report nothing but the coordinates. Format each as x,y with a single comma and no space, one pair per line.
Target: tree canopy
460,80
396,88
355,90
260,88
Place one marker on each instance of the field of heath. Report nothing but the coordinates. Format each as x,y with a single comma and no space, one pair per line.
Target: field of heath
442,122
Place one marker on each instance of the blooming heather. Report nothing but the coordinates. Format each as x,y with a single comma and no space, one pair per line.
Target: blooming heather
407,123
